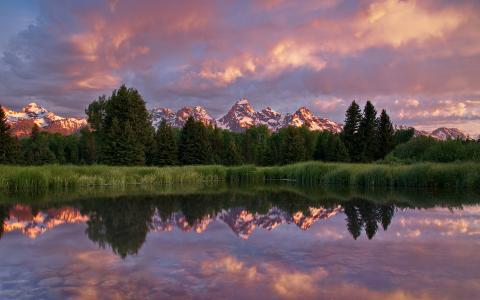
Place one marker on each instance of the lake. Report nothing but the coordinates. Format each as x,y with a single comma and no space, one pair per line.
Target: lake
240,242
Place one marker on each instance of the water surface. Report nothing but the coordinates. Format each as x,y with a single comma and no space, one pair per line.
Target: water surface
278,242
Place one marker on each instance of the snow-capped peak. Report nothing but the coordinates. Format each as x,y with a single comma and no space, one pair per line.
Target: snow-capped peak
444,133
179,118
239,117
34,110
243,101
22,122
242,116
441,133
304,117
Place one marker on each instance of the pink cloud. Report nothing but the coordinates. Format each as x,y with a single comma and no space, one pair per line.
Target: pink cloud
283,53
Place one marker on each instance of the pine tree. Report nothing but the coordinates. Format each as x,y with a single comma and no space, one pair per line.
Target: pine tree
36,150
308,137
321,146
165,146
109,144
128,108
232,155
293,147
128,151
254,144
194,148
385,141
336,150
7,142
273,152
367,132
217,144
87,147
349,135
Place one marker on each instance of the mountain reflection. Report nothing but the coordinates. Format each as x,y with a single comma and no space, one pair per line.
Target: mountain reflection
122,223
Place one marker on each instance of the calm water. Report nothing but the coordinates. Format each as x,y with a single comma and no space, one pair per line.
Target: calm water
271,242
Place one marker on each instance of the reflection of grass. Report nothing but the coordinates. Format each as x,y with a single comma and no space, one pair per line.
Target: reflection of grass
288,194
424,175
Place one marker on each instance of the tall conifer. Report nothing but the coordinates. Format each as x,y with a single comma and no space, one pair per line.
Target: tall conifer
367,133
293,148
36,150
349,135
385,141
7,142
165,146
194,148
124,110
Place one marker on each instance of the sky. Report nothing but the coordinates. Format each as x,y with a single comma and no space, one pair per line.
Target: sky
419,60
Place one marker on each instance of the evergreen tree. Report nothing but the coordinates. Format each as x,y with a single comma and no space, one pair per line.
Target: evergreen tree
128,152
254,144
110,143
273,152
330,147
321,146
232,155
309,138
402,136
87,147
7,142
349,135
124,110
293,147
217,144
385,141
36,150
367,132
336,150
194,148
165,146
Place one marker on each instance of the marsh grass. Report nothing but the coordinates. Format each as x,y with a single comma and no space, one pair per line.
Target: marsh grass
423,175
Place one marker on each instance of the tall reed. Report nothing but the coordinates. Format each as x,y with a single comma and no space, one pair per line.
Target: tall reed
428,175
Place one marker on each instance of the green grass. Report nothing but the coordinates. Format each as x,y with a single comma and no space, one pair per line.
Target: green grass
422,175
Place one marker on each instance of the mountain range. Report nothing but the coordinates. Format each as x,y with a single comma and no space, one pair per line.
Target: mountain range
240,117
240,221
21,122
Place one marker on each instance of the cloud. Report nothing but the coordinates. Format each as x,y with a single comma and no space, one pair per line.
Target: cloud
441,110
395,23
287,285
281,53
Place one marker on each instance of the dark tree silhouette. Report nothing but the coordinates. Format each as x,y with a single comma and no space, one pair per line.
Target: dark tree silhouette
367,133
165,146
350,136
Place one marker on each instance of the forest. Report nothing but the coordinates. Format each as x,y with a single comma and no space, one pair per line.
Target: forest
121,133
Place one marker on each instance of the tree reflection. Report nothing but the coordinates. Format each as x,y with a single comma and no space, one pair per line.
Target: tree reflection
365,214
121,223
4,214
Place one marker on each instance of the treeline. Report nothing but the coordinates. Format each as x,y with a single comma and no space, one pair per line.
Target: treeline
121,133
428,149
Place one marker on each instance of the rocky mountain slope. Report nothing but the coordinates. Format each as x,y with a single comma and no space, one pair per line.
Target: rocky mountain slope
179,118
21,122
442,133
242,116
